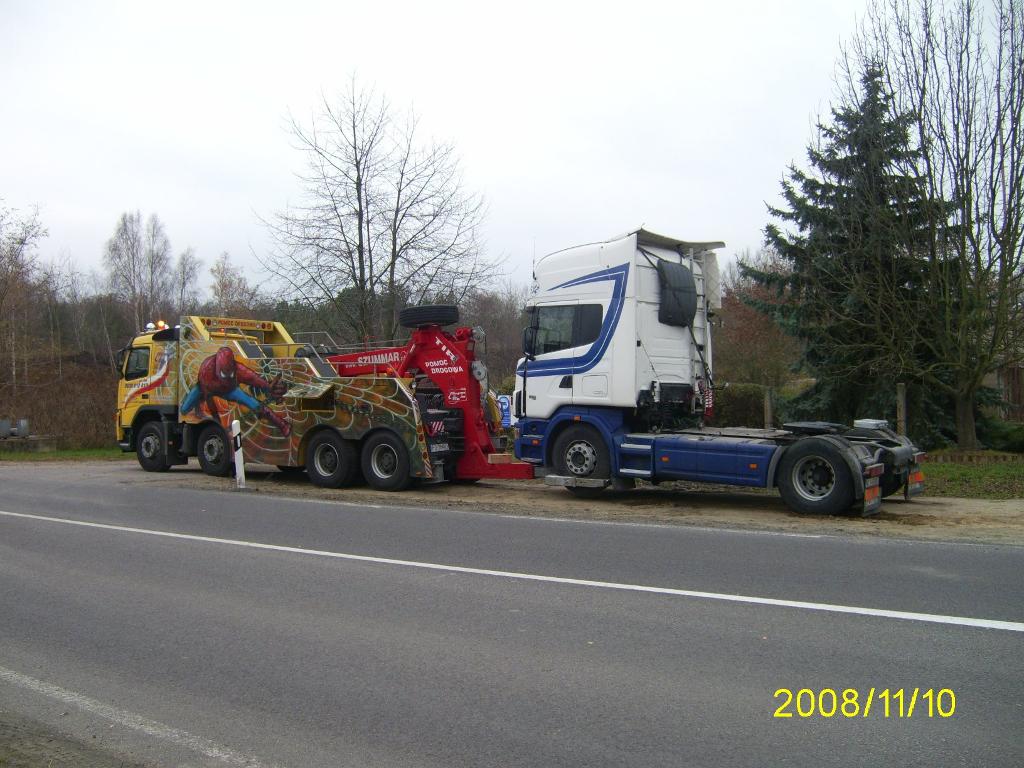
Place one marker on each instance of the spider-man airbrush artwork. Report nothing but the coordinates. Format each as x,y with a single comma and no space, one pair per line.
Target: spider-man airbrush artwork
221,375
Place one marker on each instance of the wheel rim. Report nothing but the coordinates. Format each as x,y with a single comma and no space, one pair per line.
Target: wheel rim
384,461
150,446
813,478
213,449
581,458
326,460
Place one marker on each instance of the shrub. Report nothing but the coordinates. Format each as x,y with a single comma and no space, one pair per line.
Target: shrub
739,405
1001,435
75,403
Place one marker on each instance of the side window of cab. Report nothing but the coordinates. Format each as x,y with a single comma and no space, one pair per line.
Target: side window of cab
137,364
565,326
554,328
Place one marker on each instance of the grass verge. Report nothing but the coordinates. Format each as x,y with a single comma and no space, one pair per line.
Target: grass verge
1004,480
78,454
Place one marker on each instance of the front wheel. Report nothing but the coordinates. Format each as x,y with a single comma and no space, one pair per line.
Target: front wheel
215,454
580,452
149,448
385,462
815,479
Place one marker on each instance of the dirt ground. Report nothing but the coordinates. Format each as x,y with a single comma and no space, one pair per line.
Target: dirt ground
27,744
24,744
927,518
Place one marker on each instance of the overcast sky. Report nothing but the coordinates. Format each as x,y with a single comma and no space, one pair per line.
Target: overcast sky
576,121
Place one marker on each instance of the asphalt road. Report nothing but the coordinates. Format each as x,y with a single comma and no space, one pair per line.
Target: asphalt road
353,641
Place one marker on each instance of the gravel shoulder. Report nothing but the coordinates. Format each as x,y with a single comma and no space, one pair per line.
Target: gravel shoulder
925,518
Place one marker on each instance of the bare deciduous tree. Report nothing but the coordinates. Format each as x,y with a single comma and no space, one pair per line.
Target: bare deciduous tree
958,68
138,260
385,220
232,294
19,237
186,282
500,312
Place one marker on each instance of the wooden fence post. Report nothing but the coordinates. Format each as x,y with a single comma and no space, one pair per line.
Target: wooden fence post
901,409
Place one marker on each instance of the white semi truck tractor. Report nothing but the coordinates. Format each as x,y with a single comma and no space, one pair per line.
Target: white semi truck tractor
617,375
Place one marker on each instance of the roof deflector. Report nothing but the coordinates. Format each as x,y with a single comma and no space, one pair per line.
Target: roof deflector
643,237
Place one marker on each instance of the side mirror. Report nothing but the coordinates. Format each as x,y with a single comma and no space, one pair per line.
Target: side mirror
529,343
119,361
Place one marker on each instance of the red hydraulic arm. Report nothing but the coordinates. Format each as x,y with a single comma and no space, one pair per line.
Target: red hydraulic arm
449,362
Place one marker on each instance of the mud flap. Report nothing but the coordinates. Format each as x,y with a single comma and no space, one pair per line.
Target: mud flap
172,444
915,482
872,501
872,497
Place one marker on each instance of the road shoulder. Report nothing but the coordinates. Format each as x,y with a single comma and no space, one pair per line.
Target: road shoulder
924,518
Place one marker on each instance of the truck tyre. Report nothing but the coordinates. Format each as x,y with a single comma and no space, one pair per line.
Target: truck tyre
815,479
385,462
216,455
428,314
331,462
149,447
580,452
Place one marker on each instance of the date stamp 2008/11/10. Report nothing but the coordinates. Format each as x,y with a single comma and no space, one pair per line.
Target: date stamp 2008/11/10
851,702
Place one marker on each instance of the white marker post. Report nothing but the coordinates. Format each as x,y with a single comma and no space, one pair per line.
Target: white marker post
236,444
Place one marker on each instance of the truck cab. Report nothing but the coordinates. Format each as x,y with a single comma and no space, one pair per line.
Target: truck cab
616,380
147,388
620,324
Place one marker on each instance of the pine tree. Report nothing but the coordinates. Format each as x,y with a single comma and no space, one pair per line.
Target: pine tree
859,235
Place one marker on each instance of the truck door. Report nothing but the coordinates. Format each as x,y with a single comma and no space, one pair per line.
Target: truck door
592,369
136,368
550,374
564,371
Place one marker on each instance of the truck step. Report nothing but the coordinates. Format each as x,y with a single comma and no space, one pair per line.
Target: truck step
635,472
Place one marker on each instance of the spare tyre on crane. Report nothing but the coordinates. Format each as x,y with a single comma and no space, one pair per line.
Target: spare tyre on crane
426,315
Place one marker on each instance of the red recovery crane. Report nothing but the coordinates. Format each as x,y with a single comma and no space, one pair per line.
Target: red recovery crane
451,389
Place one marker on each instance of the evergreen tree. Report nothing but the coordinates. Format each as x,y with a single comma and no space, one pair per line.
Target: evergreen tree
859,236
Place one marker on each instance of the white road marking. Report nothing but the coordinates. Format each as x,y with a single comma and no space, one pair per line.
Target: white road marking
964,621
121,717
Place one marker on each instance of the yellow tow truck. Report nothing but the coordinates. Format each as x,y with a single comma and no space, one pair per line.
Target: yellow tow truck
181,387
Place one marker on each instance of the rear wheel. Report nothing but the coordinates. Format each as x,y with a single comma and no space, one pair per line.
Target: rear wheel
815,479
580,452
331,461
385,462
149,448
215,454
